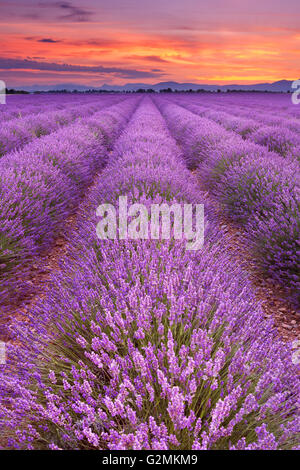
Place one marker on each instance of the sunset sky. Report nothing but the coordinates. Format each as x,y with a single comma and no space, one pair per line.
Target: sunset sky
94,42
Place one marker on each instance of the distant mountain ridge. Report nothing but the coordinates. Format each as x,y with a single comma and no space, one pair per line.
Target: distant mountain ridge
279,86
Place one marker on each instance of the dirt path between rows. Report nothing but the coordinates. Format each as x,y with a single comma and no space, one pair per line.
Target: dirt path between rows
271,296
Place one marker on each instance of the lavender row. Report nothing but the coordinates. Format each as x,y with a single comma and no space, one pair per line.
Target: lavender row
257,189
38,103
280,137
17,132
41,184
269,118
141,344
269,104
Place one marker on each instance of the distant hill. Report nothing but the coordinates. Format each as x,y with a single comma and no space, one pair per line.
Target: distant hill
280,86
60,86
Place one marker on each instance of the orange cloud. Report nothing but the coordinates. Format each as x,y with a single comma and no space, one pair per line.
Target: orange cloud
213,53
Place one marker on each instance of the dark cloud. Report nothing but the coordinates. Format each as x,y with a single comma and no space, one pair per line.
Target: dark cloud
151,58
13,64
49,11
51,41
73,13
47,40
35,58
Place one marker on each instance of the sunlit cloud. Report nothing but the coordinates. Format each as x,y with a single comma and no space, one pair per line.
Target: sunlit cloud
222,42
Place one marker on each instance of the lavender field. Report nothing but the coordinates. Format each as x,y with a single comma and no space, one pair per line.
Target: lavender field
141,344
